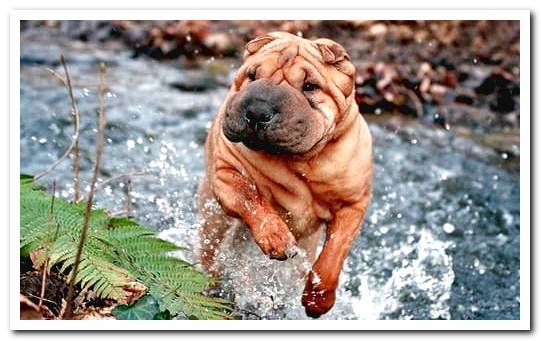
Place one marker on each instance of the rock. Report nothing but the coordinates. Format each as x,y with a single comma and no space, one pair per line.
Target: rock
221,43
377,29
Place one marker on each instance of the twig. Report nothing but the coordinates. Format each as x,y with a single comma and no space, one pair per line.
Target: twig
57,76
416,102
75,112
118,177
127,204
99,150
49,242
45,299
74,145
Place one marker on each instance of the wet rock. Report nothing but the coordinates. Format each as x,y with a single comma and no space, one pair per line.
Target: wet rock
464,98
194,84
492,83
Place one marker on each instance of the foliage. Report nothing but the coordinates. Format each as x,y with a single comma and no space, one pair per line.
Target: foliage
119,254
146,308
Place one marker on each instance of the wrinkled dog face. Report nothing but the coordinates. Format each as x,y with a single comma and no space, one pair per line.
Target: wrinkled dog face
289,95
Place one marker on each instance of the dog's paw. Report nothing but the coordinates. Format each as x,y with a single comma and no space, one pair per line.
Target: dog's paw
275,240
316,299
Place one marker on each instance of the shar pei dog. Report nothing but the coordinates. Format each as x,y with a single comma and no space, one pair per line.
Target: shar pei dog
290,156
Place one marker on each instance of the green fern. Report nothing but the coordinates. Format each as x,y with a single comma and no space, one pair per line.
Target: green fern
117,253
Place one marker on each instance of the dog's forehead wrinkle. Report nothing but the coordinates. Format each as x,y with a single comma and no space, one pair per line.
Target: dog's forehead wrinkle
313,51
291,78
287,55
275,45
276,76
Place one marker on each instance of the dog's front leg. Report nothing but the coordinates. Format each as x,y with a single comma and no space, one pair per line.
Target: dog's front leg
240,198
319,293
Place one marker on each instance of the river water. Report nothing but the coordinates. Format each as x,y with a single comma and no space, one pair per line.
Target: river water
440,240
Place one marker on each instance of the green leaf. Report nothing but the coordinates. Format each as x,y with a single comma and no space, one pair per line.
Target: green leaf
163,315
146,308
118,251
26,177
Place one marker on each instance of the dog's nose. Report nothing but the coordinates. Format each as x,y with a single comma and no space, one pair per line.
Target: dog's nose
258,112
255,116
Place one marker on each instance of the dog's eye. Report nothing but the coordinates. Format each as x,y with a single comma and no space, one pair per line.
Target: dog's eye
309,86
251,76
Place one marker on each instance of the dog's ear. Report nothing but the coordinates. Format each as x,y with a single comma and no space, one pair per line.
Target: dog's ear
256,44
331,51
334,54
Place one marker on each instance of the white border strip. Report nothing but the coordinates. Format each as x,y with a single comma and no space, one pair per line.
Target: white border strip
522,15
272,14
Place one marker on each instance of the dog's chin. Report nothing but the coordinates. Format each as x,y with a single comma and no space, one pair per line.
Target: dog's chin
256,144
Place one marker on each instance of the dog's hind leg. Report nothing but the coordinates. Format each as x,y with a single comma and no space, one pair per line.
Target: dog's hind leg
214,225
310,243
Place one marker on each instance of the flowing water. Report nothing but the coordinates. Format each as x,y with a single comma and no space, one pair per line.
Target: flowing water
440,240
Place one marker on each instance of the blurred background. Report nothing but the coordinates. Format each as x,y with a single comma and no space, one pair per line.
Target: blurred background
441,238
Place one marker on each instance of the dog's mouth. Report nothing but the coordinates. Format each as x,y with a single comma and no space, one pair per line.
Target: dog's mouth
258,136
272,118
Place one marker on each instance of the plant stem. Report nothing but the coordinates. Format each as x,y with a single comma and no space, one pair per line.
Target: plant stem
49,242
121,176
99,151
74,145
75,113
127,204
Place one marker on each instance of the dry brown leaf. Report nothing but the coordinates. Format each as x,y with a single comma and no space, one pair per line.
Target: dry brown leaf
93,313
30,310
135,291
35,257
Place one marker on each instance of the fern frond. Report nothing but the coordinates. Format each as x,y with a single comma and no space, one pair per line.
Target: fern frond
117,252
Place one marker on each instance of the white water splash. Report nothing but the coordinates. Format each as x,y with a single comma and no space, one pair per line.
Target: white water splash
427,277
270,289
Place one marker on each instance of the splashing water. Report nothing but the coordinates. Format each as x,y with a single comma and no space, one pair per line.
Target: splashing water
440,239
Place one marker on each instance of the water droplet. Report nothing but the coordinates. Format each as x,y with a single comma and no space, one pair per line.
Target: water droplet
504,156
130,144
448,228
